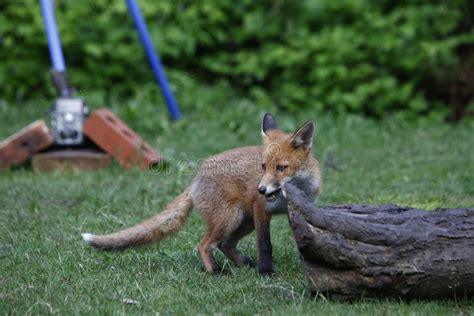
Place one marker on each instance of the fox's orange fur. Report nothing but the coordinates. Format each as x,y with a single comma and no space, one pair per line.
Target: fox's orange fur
236,192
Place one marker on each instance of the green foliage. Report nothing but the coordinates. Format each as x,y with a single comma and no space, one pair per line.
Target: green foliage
362,56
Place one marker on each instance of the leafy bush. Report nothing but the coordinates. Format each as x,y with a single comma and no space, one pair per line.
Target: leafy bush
363,56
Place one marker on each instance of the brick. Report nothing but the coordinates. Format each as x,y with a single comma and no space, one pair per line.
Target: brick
118,140
21,146
77,159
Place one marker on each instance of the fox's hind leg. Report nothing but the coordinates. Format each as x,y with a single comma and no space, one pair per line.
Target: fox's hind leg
229,245
225,229
206,251
218,228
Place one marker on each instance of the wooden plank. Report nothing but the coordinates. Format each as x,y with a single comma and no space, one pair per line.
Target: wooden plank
77,159
21,146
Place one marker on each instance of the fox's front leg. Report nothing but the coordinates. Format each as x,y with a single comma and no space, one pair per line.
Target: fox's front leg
264,245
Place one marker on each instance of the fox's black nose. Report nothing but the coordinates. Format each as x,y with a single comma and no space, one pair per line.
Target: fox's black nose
262,189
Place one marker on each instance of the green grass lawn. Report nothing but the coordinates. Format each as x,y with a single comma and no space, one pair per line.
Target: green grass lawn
46,268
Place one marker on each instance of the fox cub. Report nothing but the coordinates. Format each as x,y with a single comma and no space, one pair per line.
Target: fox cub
236,192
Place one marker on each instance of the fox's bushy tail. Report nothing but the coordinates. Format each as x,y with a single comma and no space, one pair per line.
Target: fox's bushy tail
167,222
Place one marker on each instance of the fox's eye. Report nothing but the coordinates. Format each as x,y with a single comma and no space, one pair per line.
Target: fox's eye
281,168
264,166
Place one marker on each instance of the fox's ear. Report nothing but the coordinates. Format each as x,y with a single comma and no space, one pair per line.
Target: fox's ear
303,137
268,123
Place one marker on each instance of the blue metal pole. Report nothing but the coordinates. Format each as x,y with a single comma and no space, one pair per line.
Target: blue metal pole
52,34
153,59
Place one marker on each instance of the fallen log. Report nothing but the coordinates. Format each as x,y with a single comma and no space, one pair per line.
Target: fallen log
354,251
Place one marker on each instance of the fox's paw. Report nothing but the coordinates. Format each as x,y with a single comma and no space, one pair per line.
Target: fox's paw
217,271
247,262
266,272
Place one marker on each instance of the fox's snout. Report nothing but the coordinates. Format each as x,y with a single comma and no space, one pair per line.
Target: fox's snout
269,188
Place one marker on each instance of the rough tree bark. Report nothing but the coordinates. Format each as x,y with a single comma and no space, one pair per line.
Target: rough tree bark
353,251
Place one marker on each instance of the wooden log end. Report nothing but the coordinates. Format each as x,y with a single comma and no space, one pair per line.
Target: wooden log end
357,251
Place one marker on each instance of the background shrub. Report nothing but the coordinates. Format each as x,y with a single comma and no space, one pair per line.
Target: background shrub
367,56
